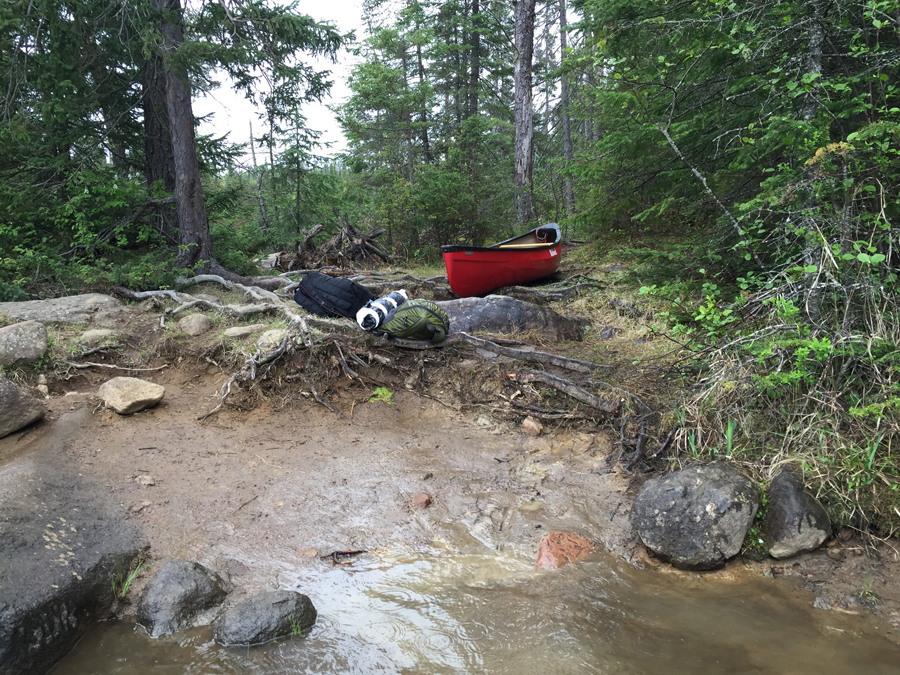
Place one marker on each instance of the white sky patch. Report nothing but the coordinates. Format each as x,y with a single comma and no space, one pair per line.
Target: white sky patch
232,113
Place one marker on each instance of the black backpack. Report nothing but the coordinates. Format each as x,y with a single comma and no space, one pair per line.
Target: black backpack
329,296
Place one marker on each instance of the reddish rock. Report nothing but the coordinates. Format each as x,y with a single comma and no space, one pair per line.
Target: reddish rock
532,427
421,500
559,548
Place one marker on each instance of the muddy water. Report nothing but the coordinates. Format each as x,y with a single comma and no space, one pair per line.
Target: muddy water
428,611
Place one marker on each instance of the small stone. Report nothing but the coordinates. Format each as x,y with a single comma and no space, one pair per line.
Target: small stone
127,395
428,476
422,500
96,336
244,331
559,548
836,554
846,533
532,427
608,332
271,338
821,603
44,390
195,324
146,480
42,379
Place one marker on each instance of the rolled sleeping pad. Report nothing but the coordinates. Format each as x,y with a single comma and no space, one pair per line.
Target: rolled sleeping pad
373,314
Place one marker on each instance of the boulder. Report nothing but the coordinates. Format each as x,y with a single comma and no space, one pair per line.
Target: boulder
22,343
696,518
244,331
795,521
502,314
180,596
559,548
127,395
71,309
17,408
96,336
195,324
265,617
62,538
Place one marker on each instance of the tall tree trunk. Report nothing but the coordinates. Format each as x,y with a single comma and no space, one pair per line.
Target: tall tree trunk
423,114
474,62
568,151
160,163
524,121
196,245
263,216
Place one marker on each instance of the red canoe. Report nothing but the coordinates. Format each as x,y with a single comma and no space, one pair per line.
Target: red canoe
478,270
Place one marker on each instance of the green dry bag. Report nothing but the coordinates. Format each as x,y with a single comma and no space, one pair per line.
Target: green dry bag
417,320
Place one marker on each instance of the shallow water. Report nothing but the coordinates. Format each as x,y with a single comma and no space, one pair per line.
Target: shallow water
433,612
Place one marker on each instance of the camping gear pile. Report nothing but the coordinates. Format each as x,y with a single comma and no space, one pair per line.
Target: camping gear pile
393,315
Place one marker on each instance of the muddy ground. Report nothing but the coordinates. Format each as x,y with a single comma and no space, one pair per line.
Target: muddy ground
275,479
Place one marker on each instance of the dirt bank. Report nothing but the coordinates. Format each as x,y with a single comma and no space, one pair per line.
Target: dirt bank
282,481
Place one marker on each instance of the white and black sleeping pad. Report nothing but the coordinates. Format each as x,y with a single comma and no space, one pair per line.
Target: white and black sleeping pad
373,314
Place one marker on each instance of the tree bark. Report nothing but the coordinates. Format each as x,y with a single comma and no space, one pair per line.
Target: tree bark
568,151
193,233
524,119
160,165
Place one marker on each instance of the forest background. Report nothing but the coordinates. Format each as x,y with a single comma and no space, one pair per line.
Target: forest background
742,157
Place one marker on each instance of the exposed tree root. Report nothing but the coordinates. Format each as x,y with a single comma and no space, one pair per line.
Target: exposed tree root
569,388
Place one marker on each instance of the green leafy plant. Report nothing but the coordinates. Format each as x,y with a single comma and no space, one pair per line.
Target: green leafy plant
296,627
382,395
122,579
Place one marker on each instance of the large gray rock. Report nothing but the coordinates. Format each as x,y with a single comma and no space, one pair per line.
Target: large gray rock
179,597
795,521
502,314
127,395
195,324
17,408
71,309
62,536
696,518
22,343
265,617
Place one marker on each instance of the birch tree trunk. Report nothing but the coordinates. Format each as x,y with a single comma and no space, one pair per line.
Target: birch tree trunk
524,120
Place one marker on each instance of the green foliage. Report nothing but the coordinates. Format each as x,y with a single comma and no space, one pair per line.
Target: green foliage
122,578
382,395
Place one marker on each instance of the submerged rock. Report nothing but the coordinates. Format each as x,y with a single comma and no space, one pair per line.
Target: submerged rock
696,518
22,343
178,596
502,314
265,617
559,548
127,395
795,522
17,408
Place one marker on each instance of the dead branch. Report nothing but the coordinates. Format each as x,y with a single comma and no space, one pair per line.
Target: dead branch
521,354
571,389
82,366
